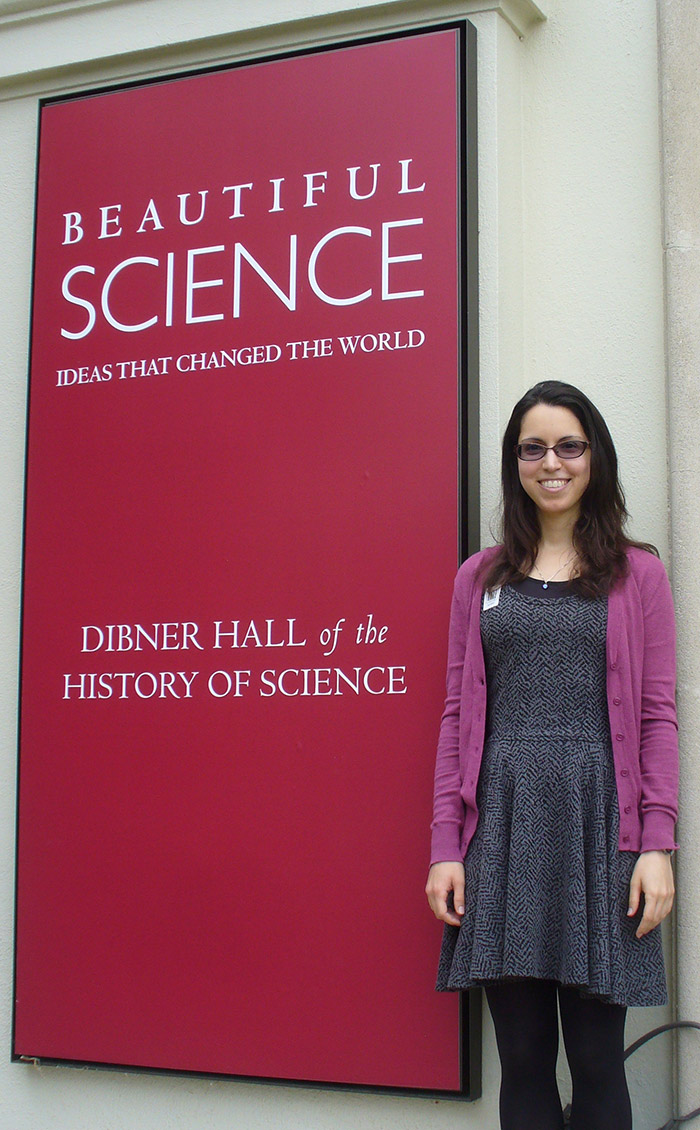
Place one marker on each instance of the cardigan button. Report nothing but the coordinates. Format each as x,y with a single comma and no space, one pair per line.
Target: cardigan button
628,808
617,701
613,666
620,737
625,839
624,772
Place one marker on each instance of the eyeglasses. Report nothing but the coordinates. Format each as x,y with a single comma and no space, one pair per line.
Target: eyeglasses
565,449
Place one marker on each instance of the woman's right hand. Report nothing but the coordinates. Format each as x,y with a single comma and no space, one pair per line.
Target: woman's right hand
443,879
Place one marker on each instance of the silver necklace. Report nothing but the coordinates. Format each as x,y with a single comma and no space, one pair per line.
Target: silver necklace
546,580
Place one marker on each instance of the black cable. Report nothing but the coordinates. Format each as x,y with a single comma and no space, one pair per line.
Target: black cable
657,1032
673,1123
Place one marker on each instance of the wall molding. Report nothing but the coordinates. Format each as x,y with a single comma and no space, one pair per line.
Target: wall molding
51,44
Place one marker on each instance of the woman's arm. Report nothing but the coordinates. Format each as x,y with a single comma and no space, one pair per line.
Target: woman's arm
652,877
448,806
658,749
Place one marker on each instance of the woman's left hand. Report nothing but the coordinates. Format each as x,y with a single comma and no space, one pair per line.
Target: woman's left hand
653,878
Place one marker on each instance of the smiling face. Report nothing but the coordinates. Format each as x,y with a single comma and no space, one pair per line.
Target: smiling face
555,485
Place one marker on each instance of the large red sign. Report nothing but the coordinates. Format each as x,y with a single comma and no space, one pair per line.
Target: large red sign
241,533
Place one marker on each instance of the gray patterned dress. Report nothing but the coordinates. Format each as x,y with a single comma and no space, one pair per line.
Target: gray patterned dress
546,886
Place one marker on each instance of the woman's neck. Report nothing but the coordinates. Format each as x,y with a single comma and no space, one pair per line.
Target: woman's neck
555,557
556,533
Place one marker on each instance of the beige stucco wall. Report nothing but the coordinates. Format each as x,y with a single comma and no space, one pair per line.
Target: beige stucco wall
679,26
571,286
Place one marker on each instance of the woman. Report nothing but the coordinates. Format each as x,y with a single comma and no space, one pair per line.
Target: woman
556,776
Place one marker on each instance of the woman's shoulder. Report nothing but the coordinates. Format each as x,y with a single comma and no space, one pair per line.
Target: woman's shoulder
471,570
647,576
645,566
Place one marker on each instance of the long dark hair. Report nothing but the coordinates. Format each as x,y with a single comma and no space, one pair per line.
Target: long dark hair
599,536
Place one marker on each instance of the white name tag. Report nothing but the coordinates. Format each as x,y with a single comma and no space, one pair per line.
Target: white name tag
491,599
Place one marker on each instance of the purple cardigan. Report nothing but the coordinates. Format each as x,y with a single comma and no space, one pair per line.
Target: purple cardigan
641,707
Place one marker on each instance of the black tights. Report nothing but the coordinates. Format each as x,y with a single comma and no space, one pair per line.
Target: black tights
527,1033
